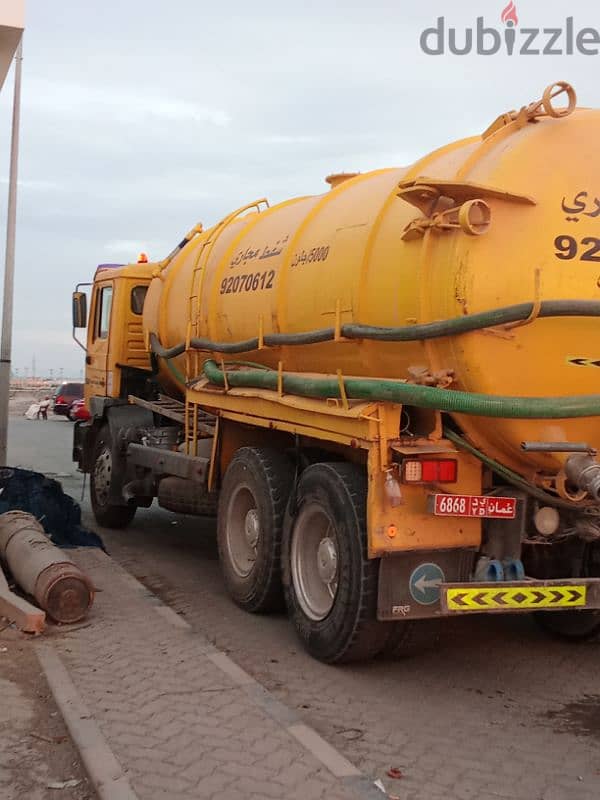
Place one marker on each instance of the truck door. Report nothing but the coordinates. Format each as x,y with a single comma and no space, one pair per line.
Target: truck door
97,380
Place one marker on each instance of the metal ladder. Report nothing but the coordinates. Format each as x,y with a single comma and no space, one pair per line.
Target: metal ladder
193,357
195,295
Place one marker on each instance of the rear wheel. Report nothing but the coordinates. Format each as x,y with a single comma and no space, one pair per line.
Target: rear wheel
572,625
252,505
412,638
103,473
330,585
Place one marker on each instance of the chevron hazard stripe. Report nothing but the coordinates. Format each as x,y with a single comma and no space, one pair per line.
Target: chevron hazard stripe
497,598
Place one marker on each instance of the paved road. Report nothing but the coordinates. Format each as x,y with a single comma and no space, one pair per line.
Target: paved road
496,711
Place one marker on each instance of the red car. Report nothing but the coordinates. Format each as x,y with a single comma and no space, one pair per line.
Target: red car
78,411
65,396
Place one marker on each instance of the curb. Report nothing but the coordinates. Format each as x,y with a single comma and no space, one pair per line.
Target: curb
101,765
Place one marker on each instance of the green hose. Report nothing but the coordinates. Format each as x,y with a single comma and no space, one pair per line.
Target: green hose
380,390
407,333
509,476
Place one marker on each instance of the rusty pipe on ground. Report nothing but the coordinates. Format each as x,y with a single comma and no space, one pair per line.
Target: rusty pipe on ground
42,570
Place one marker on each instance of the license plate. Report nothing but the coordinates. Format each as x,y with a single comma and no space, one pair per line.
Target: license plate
464,505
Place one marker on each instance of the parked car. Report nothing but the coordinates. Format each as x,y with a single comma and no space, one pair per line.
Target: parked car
78,411
65,396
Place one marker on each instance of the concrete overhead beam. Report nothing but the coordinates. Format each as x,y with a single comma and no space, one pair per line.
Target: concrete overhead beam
12,24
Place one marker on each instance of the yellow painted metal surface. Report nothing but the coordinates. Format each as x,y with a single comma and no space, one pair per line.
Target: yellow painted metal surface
411,526
301,265
502,598
301,415
125,346
362,427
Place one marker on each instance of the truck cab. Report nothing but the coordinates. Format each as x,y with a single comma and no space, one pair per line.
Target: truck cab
117,360
132,444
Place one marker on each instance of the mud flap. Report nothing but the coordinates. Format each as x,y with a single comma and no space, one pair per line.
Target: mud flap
409,583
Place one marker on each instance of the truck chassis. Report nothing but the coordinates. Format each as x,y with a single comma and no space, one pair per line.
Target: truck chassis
303,514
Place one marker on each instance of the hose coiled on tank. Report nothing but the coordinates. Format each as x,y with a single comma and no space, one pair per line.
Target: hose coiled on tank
409,394
519,312
377,389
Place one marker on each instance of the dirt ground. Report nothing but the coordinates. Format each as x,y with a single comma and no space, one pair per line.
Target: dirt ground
35,749
20,400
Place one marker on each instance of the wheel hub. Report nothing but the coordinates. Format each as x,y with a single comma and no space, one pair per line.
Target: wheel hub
243,530
314,561
327,560
102,476
252,528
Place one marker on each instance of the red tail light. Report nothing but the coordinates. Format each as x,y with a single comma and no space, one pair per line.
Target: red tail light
430,470
60,399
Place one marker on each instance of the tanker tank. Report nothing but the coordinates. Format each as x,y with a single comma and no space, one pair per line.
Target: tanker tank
474,272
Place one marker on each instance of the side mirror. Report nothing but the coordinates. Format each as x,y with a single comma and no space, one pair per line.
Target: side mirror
79,310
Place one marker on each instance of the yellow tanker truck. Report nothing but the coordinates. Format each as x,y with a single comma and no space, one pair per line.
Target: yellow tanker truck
388,393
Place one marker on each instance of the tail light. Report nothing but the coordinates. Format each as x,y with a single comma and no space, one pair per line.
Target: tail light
430,470
60,399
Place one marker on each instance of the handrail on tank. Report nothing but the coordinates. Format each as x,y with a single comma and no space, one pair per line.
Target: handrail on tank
161,265
187,238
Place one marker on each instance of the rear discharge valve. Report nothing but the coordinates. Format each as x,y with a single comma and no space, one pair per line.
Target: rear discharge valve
584,472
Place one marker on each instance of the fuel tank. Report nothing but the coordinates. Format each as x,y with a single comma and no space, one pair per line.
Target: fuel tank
503,218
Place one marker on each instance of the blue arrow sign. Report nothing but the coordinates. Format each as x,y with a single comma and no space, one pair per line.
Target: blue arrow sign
424,584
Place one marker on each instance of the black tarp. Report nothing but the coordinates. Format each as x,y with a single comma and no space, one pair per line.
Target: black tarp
59,514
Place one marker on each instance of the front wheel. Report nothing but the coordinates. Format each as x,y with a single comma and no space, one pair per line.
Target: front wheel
330,585
107,514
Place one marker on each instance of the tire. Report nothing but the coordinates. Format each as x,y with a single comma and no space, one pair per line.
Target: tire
574,626
252,505
330,585
106,513
412,638
208,506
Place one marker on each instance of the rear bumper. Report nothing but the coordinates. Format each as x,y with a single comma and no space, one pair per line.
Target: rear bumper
61,408
575,594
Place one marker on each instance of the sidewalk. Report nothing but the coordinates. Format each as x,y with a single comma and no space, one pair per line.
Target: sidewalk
158,713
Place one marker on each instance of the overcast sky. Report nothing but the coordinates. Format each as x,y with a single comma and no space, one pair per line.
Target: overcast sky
142,117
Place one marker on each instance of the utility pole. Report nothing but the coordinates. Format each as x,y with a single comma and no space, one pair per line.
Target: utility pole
9,266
